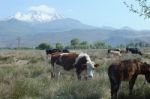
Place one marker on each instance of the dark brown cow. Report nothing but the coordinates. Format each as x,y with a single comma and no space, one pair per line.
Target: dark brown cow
126,70
134,51
70,61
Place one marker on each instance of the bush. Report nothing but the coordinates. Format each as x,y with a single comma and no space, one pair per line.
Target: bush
43,46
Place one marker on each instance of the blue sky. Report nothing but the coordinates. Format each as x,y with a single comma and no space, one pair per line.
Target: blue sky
112,13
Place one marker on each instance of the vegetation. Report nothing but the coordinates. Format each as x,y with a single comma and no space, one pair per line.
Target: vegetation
78,44
43,46
141,7
26,75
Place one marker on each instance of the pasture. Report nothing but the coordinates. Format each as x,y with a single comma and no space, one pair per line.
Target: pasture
25,74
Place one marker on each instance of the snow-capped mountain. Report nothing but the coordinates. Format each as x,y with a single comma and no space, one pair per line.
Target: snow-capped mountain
40,13
44,24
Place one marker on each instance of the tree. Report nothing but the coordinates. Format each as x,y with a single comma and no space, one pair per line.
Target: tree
59,46
140,7
43,46
121,46
84,45
75,43
99,44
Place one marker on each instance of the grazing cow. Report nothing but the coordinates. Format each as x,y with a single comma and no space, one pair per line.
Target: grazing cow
126,70
114,52
69,61
134,51
49,52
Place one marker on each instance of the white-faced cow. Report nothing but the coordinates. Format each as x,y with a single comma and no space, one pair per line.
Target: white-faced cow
69,61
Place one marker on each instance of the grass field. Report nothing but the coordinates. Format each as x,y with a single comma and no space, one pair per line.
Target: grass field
25,74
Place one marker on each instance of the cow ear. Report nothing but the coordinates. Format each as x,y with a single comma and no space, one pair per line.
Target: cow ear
96,65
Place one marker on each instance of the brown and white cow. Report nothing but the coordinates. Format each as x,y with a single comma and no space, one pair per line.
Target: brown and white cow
126,70
116,52
69,61
50,51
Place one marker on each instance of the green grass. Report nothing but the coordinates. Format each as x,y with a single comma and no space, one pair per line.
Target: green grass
33,79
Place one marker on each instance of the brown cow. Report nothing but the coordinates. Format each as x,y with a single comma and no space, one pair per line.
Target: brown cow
50,51
126,70
70,61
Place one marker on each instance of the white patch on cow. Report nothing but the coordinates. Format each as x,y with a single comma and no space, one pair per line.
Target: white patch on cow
90,64
82,55
90,69
116,53
60,58
64,54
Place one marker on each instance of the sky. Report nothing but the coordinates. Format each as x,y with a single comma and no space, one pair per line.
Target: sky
100,13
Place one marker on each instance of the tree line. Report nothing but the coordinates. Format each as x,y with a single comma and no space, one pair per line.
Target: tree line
78,44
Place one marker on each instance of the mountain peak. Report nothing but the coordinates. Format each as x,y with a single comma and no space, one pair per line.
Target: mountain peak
40,13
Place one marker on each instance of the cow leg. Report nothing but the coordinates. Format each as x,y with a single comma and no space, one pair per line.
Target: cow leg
131,84
56,71
52,72
78,74
115,84
114,90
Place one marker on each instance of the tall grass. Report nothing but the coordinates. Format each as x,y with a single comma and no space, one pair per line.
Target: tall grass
33,79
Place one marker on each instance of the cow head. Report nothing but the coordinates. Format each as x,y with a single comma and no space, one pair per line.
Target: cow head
90,68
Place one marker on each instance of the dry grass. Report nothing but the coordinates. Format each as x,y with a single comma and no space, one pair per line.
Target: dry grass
24,74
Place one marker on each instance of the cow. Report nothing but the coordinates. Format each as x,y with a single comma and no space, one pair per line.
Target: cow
134,51
68,61
116,52
49,52
126,70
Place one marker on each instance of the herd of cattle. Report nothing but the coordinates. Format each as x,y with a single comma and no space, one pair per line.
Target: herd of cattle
125,70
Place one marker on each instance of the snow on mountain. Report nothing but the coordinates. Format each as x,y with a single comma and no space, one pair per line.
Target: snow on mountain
40,13
44,24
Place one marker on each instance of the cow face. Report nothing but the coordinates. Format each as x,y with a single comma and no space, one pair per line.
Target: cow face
90,69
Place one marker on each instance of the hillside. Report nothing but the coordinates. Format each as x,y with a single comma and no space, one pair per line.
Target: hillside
63,30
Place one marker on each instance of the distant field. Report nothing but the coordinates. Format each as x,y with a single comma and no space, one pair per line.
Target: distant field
25,74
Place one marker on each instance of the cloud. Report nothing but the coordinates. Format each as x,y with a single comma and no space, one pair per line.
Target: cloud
42,13
42,9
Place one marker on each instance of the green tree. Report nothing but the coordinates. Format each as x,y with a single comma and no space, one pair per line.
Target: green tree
140,7
43,46
99,44
59,46
84,45
75,43
121,46
131,44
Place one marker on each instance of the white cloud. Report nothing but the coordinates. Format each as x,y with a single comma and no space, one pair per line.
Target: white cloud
42,9
40,13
